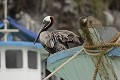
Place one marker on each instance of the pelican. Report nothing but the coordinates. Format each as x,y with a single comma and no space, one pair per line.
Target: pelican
57,40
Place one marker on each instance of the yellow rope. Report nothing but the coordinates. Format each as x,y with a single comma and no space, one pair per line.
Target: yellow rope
98,64
101,50
105,45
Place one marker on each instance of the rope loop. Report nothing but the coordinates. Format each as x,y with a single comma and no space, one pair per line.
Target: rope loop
100,50
96,50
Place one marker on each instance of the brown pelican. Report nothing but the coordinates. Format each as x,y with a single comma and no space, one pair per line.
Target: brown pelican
54,41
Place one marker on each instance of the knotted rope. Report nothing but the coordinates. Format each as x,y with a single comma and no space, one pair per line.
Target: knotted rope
100,50
92,50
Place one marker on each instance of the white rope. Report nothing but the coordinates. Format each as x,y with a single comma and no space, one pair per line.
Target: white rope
118,40
95,52
63,64
89,52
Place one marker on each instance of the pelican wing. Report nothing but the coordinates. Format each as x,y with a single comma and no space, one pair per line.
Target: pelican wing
67,36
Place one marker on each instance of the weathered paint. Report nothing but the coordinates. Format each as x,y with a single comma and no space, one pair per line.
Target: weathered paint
116,65
80,68
102,35
83,66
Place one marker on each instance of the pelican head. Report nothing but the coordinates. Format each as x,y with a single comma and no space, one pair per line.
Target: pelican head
83,21
47,23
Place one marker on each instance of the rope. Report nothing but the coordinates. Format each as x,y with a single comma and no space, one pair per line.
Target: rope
107,45
112,43
91,50
95,52
100,50
98,64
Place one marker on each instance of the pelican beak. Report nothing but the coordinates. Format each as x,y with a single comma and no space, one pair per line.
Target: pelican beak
37,37
44,26
39,34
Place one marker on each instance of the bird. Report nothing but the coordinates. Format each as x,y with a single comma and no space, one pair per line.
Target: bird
56,40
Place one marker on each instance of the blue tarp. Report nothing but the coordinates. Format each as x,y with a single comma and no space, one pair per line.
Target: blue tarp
63,54
115,52
1,24
27,35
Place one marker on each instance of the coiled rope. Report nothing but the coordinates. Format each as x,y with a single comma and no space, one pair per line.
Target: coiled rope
100,50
